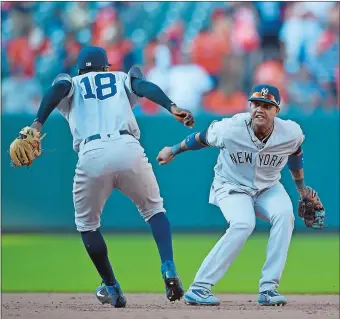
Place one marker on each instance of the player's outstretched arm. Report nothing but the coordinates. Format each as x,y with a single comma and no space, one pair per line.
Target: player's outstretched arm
154,93
193,142
27,146
51,99
310,207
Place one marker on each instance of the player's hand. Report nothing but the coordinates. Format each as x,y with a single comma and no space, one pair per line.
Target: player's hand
165,156
183,116
310,208
26,147
311,195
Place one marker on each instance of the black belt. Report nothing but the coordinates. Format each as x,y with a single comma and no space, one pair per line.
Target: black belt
98,136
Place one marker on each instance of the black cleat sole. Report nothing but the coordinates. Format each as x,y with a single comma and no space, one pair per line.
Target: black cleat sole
174,289
120,302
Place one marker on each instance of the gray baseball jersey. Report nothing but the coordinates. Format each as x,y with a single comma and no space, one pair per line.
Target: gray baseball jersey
98,103
246,186
101,103
244,160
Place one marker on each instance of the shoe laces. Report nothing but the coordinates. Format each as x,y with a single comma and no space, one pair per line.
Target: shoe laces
275,292
271,293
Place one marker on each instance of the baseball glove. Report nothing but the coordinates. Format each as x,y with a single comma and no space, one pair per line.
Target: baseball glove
311,209
26,147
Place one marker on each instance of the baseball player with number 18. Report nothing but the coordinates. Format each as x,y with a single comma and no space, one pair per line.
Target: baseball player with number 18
254,148
97,104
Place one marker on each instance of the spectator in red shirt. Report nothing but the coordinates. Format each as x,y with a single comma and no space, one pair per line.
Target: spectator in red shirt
228,98
119,50
218,102
71,50
149,54
23,50
272,72
173,37
209,51
120,54
20,53
106,19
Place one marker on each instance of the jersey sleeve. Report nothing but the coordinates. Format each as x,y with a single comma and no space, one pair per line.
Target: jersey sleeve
297,136
133,98
64,105
216,132
300,137
65,77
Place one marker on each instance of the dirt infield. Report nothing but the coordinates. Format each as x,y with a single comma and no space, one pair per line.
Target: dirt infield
153,306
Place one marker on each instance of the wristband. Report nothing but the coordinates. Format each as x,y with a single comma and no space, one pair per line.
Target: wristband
176,149
192,144
295,163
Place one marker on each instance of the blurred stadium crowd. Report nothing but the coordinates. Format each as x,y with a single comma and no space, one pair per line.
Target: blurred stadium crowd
205,55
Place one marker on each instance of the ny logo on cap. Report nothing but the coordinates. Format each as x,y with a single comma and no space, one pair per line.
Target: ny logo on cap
88,63
264,91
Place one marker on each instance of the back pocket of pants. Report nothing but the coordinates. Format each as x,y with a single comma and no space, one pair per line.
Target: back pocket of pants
94,153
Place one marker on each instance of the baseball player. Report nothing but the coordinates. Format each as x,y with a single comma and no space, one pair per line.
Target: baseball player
254,148
98,104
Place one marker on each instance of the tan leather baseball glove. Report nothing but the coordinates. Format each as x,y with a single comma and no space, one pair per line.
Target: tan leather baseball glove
26,147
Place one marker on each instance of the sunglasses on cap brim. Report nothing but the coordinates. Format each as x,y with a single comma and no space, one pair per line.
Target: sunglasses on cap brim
269,97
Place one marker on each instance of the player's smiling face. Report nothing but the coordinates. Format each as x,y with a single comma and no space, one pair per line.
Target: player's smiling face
263,113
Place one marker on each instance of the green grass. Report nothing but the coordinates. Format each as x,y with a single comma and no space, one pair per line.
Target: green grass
59,263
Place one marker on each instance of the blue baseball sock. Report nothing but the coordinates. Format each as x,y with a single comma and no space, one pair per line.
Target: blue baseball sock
161,231
96,248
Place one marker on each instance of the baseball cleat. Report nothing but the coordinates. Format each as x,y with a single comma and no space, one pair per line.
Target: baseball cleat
271,298
173,285
111,295
201,296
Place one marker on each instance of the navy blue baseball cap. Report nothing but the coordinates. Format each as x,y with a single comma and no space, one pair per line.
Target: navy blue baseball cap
266,93
92,58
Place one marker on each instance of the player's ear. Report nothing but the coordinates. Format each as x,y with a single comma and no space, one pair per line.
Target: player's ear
278,110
